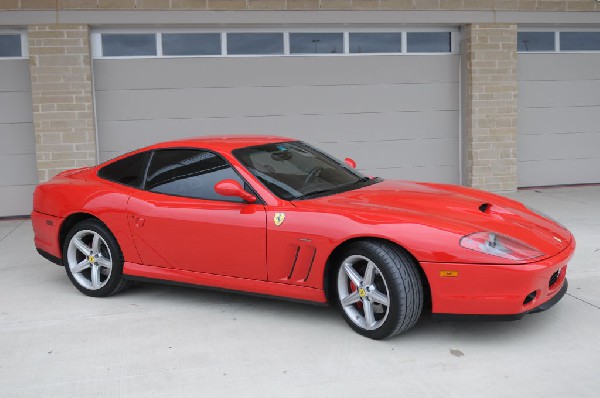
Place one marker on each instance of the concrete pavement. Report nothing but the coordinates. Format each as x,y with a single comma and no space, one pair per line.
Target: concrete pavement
163,341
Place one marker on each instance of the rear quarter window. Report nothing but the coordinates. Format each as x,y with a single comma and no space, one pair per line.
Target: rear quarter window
127,171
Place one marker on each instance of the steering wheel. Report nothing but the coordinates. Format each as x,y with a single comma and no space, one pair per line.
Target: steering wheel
315,172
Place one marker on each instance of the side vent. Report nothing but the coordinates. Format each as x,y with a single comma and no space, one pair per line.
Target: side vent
294,264
312,260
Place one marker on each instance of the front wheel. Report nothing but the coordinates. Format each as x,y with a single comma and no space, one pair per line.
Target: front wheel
379,289
93,259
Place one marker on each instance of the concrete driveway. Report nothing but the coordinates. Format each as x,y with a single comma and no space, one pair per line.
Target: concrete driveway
164,341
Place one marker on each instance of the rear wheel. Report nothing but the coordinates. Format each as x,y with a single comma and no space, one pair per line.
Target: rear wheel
379,289
93,259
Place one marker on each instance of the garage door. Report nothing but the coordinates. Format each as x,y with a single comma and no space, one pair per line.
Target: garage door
18,173
559,119
396,115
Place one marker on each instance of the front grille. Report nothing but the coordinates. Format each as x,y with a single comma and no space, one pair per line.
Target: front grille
554,278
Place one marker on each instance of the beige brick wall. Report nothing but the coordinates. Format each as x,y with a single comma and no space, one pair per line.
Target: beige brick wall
490,106
419,5
61,88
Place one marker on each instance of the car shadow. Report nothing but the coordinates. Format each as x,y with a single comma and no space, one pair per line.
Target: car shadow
426,329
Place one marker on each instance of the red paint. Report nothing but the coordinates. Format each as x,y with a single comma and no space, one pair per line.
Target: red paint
233,188
239,246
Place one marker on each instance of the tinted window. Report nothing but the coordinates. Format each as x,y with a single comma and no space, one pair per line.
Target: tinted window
535,41
375,42
191,43
189,172
254,43
580,41
428,42
294,170
123,45
10,45
128,171
316,43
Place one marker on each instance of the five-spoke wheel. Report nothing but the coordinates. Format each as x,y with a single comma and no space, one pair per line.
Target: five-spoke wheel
379,289
93,259
89,259
363,292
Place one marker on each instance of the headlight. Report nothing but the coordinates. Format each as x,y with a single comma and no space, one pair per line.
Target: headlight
499,245
542,214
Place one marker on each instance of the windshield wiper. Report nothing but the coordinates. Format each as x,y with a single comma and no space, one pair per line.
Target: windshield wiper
308,195
333,190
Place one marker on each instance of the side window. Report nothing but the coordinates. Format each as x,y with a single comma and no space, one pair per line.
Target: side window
189,172
127,171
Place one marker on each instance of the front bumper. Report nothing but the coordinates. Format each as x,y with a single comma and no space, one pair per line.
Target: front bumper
515,317
500,291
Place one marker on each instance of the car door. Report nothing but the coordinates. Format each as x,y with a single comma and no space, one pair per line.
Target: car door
178,221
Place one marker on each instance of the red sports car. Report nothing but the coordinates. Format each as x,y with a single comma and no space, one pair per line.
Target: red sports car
277,217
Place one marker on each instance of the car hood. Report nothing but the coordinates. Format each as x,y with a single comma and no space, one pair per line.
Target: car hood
457,210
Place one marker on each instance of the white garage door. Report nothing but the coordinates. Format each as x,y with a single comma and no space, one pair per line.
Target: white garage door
559,119
396,115
18,173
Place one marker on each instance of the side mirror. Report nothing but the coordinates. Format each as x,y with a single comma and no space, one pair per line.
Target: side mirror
233,188
350,162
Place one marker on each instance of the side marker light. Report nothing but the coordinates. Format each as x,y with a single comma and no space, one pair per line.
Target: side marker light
448,274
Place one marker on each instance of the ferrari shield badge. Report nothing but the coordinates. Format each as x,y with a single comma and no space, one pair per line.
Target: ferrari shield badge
278,219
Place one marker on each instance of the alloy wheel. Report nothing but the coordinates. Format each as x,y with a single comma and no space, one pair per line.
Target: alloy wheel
89,259
363,292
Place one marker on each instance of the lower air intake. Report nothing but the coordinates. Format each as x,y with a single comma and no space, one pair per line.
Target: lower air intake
554,278
529,298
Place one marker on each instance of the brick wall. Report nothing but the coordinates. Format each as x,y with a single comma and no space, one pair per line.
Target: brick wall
454,5
61,87
490,106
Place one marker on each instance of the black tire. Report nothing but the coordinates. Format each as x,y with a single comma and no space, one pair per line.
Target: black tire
110,281
396,275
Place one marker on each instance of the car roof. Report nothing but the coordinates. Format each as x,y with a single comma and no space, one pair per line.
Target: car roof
222,142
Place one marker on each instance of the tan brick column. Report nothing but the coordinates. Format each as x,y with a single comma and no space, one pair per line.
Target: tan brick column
490,106
61,87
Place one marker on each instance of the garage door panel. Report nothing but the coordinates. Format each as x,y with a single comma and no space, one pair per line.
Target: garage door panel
557,120
438,174
123,136
388,112
15,75
406,153
21,172
168,73
560,146
18,172
558,67
16,200
260,101
566,93
15,107
557,172
16,138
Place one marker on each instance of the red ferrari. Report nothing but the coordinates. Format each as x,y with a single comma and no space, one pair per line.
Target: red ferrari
277,217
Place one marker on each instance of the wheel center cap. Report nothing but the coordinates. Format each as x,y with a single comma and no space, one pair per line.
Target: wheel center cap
91,259
362,292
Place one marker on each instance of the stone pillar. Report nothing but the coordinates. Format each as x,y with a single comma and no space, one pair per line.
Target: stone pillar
63,108
490,91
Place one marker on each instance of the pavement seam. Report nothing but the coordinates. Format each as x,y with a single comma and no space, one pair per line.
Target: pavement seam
11,231
588,303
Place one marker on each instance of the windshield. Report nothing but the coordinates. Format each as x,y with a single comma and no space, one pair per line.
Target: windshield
295,170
